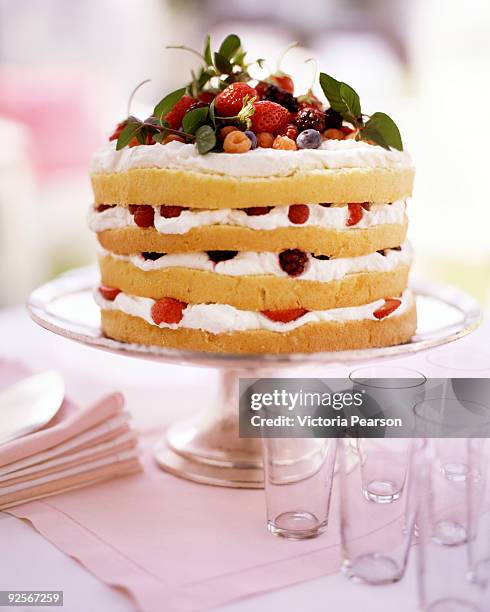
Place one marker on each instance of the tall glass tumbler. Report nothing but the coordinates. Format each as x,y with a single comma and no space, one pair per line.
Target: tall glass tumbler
298,475
375,537
479,512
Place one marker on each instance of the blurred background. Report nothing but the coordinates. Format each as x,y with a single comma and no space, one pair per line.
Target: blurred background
67,69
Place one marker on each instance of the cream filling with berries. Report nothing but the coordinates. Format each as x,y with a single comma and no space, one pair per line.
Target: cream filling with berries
251,264
333,217
222,318
332,154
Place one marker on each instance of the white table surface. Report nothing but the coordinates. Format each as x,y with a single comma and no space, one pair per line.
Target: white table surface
28,561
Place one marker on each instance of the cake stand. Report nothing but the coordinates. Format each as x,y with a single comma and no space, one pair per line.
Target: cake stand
208,449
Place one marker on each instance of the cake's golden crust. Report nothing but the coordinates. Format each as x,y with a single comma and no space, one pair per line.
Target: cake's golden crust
317,240
199,190
264,292
312,337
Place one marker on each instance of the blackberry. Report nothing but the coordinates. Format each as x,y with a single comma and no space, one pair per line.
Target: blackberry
311,119
217,256
293,261
282,97
151,256
333,119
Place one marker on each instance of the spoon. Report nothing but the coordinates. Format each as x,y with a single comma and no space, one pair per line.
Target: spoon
29,404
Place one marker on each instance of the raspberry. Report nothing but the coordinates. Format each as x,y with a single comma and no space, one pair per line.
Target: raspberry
143,215
217,256
309,139
167,310
102,207
151,256
298,213
229,102
310,119
291,131
175,116
237,142
169,212
293,261
284,316
333,119
355,214
269,117
257,211
109,293
282,97
284,81
390,305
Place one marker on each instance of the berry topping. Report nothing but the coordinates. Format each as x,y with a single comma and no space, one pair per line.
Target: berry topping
229,102
265,140
150,256
345,129
282,97
133,208
333,119
170,212
223,133
283,142
390,305
310,119
333,134
253,138
269,117
355,214
217,256
237,142
293,261
196,104
291,131
175,116
206,96
366,205
309,139
309,100
298,213
102,207
284,81
167,310
321,257
257,211
119,128
326,204
143,215
109,293
284,316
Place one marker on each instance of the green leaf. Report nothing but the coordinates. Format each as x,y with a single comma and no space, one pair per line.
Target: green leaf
168,102
230,46
331,89
351,100
208,56
382,130
212,113
130,130
205,139
194,119
222,63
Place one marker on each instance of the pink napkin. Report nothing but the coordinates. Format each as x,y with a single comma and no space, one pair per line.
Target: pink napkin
78,447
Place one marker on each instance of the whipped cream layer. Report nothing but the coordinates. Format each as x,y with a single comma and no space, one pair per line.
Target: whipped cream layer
333,217
251,264
222,318
257,163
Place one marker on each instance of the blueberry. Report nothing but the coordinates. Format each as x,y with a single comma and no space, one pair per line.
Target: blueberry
252,137
309,139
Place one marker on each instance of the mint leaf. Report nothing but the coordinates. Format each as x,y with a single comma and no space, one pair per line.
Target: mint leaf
382,130
205,139
331,89
194,119
230,46
167,103
351,101
207,54
130,130
222,63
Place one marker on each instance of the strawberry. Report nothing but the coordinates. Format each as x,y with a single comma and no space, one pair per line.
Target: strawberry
309,100
109,293
175,116
346,130
169,212
167,310
298,213
102,207
284,316
355,214
261,88
119,128
206,96
284,81
269,117
143,215
390,305
229,102
257,211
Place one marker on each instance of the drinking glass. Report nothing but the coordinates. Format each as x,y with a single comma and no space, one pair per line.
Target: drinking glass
298,474
479,512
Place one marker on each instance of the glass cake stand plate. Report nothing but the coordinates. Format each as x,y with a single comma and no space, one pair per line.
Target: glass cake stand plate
208,448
